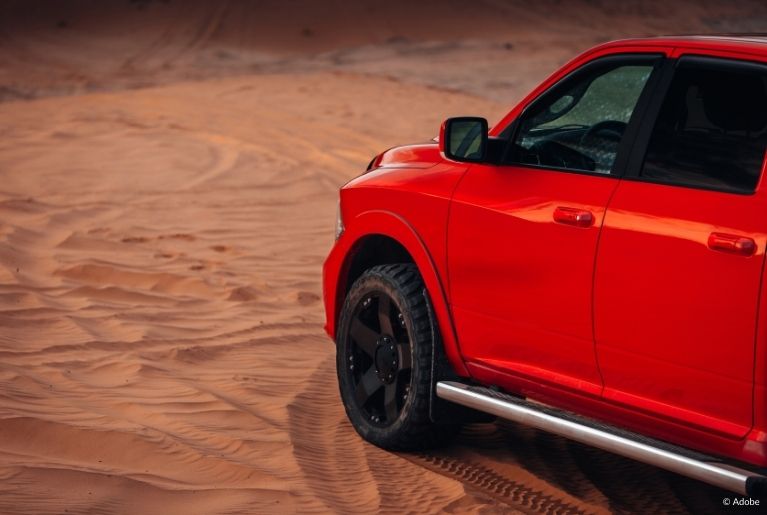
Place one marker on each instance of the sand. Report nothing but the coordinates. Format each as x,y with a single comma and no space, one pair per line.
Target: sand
168,184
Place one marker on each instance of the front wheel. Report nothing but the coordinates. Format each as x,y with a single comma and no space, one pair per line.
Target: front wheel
383,359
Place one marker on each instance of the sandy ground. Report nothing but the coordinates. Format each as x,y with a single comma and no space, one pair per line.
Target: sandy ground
168,179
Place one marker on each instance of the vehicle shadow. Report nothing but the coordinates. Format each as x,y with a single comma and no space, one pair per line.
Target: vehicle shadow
593,476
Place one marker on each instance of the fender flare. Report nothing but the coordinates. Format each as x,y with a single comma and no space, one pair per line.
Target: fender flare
386,223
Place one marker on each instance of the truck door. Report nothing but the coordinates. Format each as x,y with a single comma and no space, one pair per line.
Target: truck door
680,258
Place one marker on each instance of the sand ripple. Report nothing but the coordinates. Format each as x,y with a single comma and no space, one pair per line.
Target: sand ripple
168,185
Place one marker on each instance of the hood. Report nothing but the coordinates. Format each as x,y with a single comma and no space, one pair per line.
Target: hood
421,155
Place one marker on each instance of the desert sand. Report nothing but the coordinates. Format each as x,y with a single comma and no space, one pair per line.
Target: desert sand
168,183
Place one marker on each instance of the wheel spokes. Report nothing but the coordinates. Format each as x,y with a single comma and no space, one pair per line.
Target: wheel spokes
380,358
405,356
390,402
384,312
368,385
365,337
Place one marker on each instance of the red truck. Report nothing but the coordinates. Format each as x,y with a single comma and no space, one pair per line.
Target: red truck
591,266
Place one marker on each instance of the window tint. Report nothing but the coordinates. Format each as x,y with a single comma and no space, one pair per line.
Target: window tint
579,124
712,128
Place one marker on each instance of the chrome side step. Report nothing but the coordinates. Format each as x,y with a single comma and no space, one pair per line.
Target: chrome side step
624,443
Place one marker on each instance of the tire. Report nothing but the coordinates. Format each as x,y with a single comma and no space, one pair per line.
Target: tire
383,360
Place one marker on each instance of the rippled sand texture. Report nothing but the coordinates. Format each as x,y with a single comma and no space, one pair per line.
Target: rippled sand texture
168,179
161,322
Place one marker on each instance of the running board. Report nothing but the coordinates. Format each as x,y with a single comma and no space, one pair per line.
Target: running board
631,445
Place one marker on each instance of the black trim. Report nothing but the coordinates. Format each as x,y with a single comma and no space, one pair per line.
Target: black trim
556,169
509,137
622,156
701,187
496,150
646,101
722,63
646,124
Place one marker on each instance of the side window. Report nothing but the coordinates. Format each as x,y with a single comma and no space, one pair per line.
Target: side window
711,131
579,124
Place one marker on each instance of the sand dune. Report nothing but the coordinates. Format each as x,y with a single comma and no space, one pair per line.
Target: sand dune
168,179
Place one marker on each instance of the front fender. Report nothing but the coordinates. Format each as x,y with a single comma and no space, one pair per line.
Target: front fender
386,223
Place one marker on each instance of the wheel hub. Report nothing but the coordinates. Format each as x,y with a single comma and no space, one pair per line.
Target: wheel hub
386,360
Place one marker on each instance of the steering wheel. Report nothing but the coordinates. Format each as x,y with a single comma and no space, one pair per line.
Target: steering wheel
611,130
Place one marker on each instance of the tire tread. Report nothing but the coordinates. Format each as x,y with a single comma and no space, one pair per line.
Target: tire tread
415,430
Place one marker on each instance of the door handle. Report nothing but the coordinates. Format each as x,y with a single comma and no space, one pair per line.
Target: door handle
732,243
573,216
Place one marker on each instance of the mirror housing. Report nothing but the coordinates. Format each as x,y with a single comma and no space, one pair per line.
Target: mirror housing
464,139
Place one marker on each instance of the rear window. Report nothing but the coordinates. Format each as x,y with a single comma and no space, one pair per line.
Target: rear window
712,128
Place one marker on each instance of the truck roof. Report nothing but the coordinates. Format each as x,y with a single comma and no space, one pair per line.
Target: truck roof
743,42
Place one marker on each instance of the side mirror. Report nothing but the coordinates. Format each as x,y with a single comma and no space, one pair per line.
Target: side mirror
464,139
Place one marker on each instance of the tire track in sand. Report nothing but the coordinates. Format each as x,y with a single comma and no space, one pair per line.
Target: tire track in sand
334,459
504,465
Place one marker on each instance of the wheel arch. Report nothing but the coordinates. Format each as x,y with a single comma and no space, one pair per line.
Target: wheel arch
381,237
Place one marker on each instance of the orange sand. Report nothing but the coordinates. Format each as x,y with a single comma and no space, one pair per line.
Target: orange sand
168,179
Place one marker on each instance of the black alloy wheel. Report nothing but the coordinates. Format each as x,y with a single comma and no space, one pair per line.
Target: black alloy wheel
380,358
383,359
